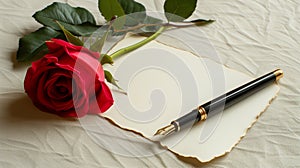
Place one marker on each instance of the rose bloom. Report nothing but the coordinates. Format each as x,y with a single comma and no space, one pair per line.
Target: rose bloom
68,81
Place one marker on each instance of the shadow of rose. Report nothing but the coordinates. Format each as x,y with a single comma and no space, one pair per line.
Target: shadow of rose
18,106
22,66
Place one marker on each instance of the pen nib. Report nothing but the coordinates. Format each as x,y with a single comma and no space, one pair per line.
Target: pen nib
165,130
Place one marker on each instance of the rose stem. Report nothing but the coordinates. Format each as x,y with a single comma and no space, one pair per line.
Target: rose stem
125,50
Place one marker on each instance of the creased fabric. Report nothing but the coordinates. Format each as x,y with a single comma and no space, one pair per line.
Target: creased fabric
253,37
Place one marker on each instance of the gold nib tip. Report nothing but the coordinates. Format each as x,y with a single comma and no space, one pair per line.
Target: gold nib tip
159,132
156,133
165,130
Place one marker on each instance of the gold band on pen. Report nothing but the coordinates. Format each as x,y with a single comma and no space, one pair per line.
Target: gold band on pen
278,73
203,113
177,125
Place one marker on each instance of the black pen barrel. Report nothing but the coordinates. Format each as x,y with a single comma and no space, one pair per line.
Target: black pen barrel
237,95
224,101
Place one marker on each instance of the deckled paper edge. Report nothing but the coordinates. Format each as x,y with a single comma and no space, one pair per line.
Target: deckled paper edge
188,156
193,157
241,137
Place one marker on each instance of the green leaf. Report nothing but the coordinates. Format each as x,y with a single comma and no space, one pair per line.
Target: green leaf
131,6
106,59
78,20
110,78
178,10
98,45
134,10
70,37
110,8
33,45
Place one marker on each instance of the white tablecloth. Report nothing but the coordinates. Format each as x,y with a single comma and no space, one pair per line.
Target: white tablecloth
253,37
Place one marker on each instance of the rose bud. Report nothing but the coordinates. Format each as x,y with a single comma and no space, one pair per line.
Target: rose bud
68,81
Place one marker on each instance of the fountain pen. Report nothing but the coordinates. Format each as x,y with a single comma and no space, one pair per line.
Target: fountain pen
220,103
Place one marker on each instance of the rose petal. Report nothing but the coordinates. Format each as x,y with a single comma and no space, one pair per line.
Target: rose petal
68,81
104,100
79,94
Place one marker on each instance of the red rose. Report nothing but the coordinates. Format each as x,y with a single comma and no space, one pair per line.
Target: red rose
68,81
